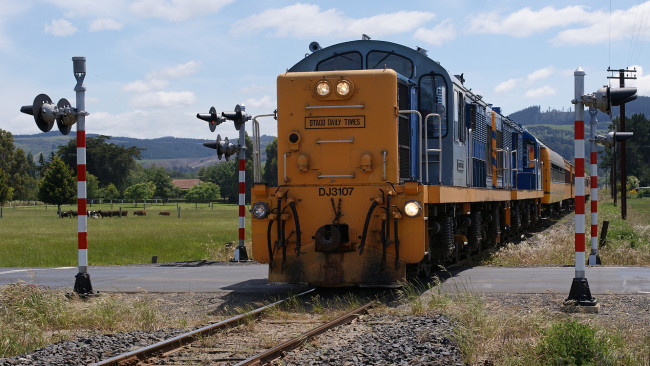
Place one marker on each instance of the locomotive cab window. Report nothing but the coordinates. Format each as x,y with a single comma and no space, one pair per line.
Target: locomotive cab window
432,98
343,61
390,60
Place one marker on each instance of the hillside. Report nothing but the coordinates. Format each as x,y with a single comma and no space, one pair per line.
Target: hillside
555,128
168,152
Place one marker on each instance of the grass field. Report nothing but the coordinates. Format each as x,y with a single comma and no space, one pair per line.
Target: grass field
33,236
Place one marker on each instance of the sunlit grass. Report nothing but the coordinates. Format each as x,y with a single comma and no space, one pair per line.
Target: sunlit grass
34,236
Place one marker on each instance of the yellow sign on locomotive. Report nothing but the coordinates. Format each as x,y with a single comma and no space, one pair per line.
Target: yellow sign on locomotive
335,122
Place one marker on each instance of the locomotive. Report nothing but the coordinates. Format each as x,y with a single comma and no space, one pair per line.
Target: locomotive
388,165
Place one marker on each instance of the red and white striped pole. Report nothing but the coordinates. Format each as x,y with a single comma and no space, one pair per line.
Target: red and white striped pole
580,292
82,284
594,258
240,251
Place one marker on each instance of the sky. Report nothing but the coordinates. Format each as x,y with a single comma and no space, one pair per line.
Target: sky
153,64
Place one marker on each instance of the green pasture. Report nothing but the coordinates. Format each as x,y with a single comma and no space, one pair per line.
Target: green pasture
34,236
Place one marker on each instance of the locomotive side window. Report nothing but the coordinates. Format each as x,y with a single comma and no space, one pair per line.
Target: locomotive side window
432,95
459,117
343,61
381,59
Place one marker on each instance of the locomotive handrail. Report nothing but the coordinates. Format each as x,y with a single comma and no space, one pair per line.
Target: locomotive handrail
257,164
351,140
470,161
336,176
420,129
515,169
439,150
285,167
504,162
334,106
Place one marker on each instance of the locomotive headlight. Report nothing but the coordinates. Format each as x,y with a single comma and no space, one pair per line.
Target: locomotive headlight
260,210
412,208
323,88
343,88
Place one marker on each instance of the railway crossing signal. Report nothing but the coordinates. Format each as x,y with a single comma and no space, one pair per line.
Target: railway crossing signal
605,98
227,148
224,147
45,113
611,138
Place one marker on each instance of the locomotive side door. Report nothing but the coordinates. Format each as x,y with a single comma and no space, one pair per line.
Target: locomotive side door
459,161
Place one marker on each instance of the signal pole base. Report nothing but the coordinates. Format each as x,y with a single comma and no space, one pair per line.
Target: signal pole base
594,260
580,295
82,285
240,254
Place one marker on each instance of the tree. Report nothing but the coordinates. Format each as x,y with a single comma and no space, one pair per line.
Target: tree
15,165
270,174
6,192
636,149
58,185
92,187
140,191
42,165
109,162
111,192
203,192
221,174
163,182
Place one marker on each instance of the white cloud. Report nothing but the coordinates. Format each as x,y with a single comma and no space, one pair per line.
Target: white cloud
306,20
506,86
642,82
60,28
177,71
540,74
144,86
544,91
163,99
525,22
83,8
602,27
105,24
263,105
441,33
176,10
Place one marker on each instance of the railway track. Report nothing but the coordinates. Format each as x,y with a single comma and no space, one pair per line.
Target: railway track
226,343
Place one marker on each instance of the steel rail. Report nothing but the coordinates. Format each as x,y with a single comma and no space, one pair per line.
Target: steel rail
277,351
189,337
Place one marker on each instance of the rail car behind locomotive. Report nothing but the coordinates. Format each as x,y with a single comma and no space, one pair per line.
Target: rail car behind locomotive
387,163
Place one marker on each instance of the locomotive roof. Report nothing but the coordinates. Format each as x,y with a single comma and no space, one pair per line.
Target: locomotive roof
422,64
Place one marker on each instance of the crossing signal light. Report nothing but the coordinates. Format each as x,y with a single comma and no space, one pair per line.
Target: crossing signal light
223,147
46,113
606,98
212,118
612,137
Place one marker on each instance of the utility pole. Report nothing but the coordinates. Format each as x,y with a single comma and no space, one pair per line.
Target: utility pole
623,74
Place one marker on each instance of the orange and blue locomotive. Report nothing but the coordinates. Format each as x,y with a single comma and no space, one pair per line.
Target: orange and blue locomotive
388,164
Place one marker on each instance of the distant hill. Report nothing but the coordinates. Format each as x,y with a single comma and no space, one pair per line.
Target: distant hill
555,128
169,152
534,116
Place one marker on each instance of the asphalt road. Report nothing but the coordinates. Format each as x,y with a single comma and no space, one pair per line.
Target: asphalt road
252,277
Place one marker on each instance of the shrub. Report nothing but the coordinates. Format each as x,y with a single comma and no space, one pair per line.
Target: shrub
572,343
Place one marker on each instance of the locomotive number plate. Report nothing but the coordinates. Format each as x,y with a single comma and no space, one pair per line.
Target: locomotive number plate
335,122
335,191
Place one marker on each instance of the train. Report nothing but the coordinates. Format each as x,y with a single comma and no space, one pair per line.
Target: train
389,166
